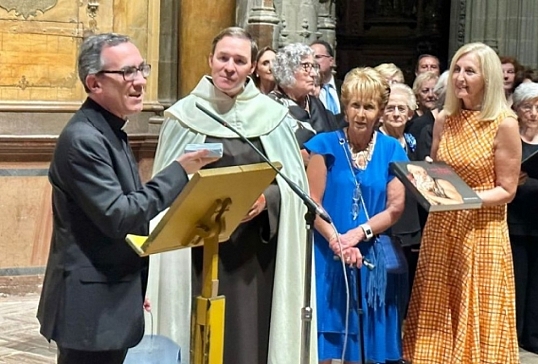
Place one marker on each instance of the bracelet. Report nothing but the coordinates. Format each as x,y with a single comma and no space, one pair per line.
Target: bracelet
369,234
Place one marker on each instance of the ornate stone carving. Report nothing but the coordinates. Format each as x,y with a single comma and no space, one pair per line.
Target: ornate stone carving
27,8
461,23
284,33
23,83
93,7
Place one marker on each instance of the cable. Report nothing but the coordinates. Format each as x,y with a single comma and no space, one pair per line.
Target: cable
348,296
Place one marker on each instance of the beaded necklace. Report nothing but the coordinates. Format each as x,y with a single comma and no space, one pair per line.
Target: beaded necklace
361,158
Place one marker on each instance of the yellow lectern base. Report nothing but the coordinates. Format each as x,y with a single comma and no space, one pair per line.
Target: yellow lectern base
207,341
136,242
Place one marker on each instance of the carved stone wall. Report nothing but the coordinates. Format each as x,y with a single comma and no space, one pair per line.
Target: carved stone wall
508,27
281,22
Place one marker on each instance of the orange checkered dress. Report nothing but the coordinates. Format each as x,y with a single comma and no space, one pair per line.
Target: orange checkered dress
462,307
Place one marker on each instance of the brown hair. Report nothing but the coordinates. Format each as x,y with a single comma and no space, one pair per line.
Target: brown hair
236,32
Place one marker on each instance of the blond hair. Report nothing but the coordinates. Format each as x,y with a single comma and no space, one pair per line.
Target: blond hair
421,78
368,83
493,100
390,71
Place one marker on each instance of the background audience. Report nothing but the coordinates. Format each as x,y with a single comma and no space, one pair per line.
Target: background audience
522,218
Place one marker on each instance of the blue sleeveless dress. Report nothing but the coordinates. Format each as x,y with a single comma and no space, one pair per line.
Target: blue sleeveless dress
381,320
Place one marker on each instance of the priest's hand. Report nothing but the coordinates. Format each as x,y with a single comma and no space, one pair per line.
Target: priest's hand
192,162
256,209
147,305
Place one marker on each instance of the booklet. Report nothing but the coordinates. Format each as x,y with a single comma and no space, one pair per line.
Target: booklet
436,186
215,149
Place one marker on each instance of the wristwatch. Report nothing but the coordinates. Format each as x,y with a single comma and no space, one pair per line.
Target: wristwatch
367,231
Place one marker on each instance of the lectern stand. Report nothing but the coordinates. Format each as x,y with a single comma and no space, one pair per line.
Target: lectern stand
207,211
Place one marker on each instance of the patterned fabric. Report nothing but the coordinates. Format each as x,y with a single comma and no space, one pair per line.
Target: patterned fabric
462,306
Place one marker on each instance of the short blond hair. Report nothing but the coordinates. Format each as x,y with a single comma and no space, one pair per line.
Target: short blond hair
368,83
390,71
421,78
494,100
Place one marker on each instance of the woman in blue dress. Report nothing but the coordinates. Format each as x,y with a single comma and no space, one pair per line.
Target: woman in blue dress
349,173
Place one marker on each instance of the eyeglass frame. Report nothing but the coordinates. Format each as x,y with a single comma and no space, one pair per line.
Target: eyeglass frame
132,69
392,108
320,56
310,66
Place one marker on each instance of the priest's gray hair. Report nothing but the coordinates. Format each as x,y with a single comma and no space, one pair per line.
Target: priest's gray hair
90,61
527,91
288,61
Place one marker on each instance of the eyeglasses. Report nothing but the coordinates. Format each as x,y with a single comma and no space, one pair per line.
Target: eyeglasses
527,108
391,109
129,73
307,67
356,199
320,56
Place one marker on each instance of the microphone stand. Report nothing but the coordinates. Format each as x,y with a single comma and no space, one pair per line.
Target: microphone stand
313,210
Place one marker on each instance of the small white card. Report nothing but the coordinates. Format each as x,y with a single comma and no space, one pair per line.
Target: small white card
215,149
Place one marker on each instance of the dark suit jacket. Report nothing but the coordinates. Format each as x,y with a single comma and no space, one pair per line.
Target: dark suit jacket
94,283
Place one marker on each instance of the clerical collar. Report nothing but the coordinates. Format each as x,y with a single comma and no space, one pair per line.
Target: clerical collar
116,123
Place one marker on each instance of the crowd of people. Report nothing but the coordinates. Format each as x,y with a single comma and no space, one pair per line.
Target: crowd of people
445,287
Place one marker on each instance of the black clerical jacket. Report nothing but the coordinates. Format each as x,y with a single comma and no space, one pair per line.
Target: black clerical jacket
94,283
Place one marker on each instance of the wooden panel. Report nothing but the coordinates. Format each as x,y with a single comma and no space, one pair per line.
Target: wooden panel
39,51
24,204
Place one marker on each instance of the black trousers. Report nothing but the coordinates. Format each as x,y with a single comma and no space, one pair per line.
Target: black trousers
70,356
525,256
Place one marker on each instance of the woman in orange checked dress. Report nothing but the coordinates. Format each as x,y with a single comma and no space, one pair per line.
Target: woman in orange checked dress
462,306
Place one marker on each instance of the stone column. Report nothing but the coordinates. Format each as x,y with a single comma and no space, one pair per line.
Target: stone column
508,27
199,22
263,23
327,21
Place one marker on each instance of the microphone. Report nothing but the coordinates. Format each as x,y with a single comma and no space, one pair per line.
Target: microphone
365,262
310,204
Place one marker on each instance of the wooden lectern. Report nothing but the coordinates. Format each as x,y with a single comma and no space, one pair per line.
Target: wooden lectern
206,212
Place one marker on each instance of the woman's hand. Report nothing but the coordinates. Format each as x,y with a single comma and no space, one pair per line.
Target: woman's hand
349,239
353,257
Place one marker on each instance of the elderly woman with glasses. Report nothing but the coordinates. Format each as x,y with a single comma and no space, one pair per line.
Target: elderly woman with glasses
522,212
295,72
399,110
349,176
